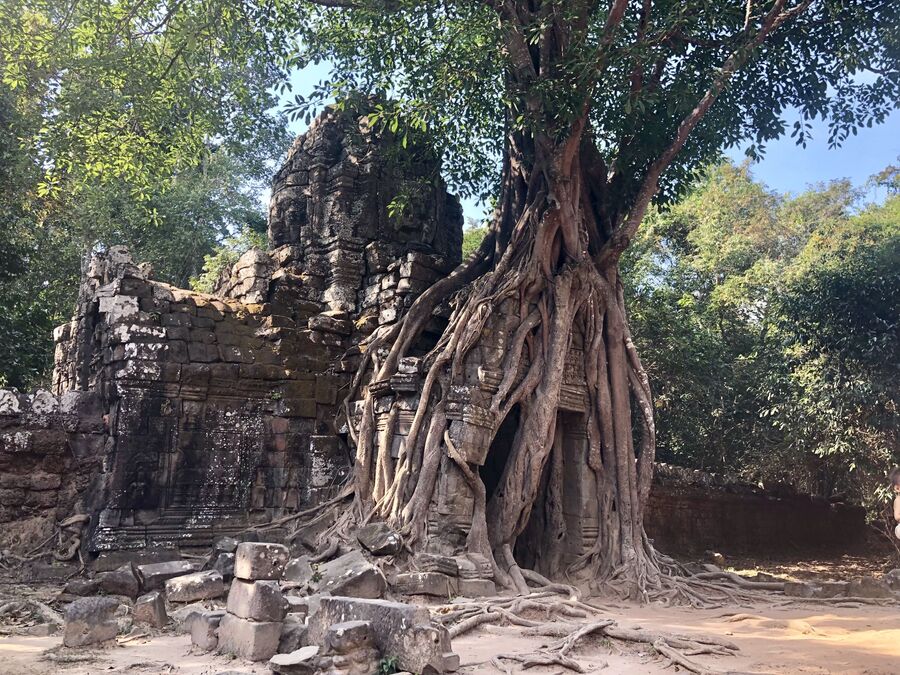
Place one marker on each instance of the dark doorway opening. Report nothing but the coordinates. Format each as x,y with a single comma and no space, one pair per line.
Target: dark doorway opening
492,470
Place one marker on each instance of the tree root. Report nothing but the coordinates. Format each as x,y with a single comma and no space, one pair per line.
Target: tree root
677,648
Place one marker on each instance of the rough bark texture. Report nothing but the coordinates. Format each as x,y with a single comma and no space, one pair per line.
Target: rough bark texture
540,257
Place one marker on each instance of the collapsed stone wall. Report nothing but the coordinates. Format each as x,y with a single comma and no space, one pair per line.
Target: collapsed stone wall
51,451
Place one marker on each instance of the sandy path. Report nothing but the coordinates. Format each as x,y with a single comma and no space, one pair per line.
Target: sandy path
801,639
804,639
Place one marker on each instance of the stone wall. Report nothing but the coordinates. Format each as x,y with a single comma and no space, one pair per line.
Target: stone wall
692,511
51,452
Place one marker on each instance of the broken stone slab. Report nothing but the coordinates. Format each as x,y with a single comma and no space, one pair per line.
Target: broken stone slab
348,636
153,576
431,562
82,587
301,661
196,586
120,581
869,587
205,630
401,630
293,634
298,570
150,609
258,560
257,600
252,640
476,588
379,539
90,621
422,583
351,575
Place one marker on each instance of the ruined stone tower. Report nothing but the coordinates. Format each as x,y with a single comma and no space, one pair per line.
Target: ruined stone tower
220,410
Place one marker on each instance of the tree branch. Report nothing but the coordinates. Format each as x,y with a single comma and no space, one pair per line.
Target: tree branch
650,185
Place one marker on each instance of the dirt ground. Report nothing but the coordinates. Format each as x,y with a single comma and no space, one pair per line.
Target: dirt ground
774,637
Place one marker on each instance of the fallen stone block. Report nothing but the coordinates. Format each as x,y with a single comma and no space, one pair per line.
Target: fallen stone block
226,545
379,539
892,579
90,621
351,575
224,565
401,630
869,587
252,640
798,589
349,649
183,617
297,605
298,662
298,571
120,581
347,636
154,575
830,589
82,587
205,630
257,560
476,588
451,662
293,634
150,609
41,630
196,586
422,583
257,600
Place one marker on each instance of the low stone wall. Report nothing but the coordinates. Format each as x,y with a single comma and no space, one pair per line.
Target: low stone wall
51,451
692,511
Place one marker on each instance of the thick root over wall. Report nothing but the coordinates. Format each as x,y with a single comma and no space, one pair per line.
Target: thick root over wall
546,259
556,294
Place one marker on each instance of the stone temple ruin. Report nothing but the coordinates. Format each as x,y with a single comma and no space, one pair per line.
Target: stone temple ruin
177,419
221,410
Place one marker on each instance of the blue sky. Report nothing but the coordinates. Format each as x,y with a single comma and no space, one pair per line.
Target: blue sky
785,166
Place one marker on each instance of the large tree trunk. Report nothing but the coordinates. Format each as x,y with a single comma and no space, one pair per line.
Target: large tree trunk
546,250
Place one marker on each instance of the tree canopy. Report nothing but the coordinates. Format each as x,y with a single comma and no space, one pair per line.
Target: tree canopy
769,323
145,124
647,72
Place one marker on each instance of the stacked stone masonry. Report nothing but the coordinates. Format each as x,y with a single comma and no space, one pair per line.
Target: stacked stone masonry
51,453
